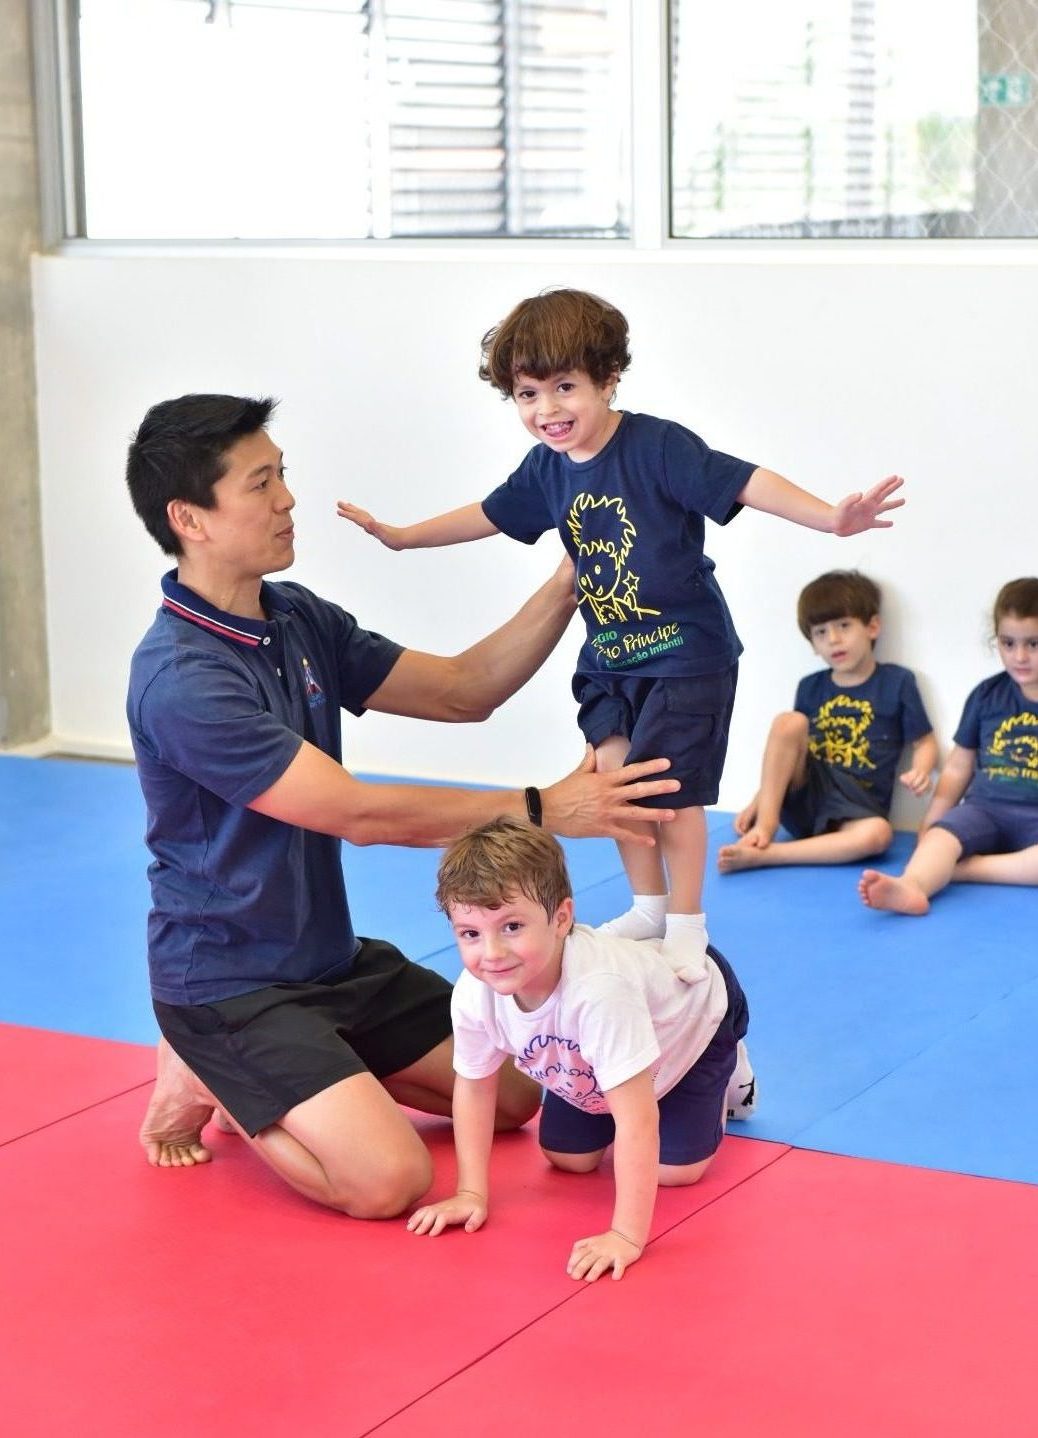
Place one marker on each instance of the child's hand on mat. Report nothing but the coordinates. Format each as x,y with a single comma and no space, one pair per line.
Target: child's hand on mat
591,1257
917,781
433,1218
388,534
861,511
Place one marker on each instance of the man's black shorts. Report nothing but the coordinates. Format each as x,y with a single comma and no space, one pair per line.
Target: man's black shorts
260,1054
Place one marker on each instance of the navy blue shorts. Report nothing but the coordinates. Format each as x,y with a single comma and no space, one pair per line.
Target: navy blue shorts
827,798
260,1054
684,719
691,1114
984,826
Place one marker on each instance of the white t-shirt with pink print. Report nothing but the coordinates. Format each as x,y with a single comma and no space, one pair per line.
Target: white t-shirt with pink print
618,1008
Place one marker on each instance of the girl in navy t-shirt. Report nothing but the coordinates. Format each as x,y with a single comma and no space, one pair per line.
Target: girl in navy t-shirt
982,825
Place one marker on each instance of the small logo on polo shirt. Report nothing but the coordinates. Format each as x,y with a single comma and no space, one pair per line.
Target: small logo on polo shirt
313,690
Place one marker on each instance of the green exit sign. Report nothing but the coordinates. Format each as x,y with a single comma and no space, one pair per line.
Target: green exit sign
1005,90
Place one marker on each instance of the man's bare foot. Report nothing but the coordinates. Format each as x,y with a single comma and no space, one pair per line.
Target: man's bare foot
887,891
733,857
180,1108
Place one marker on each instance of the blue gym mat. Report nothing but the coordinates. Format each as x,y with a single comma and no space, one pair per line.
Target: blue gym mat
873,1035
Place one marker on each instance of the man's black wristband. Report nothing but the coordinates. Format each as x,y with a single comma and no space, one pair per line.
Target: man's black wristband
533,805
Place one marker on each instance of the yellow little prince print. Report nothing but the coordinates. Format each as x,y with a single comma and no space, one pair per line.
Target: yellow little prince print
604,536
839,733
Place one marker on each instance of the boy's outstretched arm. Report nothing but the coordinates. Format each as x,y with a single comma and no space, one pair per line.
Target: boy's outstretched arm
919,775
636,1163
768,491
474,1105
455,527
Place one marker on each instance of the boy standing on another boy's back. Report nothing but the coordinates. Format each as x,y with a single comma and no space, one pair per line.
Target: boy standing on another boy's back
829,766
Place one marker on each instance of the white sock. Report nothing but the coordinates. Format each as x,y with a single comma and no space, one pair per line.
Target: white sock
645,918
684,946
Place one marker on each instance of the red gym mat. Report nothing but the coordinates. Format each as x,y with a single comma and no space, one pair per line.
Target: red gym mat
213,1300
46,1076
826,1296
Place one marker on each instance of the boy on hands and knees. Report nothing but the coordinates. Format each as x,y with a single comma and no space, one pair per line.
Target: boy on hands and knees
630,1055
629,494
271,1008
829,765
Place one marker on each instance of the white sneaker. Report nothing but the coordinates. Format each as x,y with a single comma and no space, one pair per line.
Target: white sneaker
740,1099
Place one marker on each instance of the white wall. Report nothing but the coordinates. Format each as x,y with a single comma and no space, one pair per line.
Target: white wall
836,368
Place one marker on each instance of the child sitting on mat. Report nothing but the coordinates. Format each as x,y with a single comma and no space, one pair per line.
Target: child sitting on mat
628,494
982,825
829,765
629,1054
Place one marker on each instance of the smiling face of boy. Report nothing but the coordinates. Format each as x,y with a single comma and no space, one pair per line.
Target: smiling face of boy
515,949
567,411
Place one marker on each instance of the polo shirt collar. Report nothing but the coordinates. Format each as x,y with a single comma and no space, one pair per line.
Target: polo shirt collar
186,604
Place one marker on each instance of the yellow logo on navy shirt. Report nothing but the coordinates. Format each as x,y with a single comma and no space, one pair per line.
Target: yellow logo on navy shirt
839,730
604,536
1013,751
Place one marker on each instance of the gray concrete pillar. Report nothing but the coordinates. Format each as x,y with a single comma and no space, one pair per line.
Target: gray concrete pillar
24,689
1007,125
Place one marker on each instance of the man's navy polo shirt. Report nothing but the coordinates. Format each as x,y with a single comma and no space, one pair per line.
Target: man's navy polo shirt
218,706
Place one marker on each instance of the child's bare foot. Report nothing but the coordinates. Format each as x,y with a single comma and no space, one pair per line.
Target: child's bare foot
758,836
887,891
180,1108
743,855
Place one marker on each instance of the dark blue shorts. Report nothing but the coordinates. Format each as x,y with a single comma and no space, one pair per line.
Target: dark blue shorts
691,1114
827,798
683,719
985,826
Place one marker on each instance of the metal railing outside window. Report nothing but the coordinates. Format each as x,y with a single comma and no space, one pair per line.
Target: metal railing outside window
854,118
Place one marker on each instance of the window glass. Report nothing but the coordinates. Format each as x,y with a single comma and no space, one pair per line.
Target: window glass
861,118
297,119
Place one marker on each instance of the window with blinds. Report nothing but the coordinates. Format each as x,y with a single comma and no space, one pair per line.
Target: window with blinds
348,119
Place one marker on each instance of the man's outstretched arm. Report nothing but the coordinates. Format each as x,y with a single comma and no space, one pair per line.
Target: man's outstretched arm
317,793
469,686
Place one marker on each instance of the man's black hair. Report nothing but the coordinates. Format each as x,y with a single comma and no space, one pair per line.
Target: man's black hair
180,451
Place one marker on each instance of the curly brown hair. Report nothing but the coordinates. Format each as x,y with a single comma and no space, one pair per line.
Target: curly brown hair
554,331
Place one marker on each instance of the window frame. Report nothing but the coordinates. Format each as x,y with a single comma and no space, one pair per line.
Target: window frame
62,206
61,165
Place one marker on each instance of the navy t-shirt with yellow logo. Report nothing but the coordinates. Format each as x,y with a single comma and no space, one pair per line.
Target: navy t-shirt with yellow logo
862,728
1001,724
632,518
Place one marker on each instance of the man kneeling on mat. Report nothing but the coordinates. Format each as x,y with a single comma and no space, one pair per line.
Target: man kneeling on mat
270,1007
631,1053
